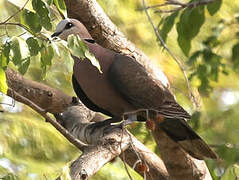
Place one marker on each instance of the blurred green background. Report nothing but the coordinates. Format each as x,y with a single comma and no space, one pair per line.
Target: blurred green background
32,149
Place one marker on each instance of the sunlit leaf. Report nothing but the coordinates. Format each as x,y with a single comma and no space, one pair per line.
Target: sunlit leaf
43,12
31,20
19,49
92,59
49,2
191,20
80,50
195,121
21,3
33,46
168,24
4,57
60,4
184,44
193,58
214,7
3,81
47,53
24,66
74,43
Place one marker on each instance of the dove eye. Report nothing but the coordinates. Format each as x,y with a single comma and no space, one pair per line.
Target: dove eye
69,25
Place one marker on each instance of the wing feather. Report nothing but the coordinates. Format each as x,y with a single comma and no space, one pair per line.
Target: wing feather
142,89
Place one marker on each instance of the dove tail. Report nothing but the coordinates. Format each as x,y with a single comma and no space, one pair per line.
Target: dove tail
180,132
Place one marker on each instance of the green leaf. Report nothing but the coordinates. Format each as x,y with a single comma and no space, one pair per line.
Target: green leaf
202,73
195,121
60,5
211,41
33,46
43,13
195,21
214,7
24,66
31,20
49,2
19,50
4,57
93,60
79,49
235,55
184,44
3,81
21,3
167,25
75,47
193,58
189,26
3,61
47,54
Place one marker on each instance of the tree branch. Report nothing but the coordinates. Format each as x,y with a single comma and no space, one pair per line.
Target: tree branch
180,5
47,98
76,119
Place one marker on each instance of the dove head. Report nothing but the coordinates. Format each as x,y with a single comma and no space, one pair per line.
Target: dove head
68,26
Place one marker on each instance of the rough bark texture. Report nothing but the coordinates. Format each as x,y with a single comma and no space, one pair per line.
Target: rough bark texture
49,99
113,137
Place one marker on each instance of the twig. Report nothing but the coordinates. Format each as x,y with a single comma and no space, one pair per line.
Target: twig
123,155
177,60
168,3
42,112
178,3
19,10
14,24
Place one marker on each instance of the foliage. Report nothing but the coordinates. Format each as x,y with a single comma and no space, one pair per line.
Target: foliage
205,36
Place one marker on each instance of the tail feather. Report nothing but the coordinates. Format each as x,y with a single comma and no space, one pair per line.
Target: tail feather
179,131
173,110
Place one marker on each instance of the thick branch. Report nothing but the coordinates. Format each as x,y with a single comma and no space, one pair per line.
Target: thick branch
77,119
180,5
49,99
87,133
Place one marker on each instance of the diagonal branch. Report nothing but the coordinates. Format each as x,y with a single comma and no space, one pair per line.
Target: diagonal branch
14,14
76,119
180,5
44,114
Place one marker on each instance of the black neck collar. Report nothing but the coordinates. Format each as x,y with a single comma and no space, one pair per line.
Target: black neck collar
90,40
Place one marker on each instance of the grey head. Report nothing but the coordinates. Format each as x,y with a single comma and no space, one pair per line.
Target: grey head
69,26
